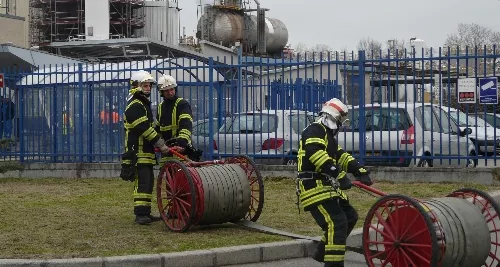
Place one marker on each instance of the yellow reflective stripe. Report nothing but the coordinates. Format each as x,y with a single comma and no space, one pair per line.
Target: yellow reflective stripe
315,191
334,247
314,140
330,232
332,258
145,161
159,111
185,131
150,134
143,195
319,158
133,102
317,155
183,136
341,175
167,128
185,116
344,160
318,198
136,122
142,203
174,117
146,155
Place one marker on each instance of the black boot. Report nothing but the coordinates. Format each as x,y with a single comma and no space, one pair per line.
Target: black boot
319,255
154,218
334,264
143,219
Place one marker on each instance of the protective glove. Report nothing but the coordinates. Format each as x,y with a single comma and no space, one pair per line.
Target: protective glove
362,175
160,144
344,182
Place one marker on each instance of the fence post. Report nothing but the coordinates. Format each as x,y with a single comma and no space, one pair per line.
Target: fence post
211,105
240,79
80,110
362,130
21,123
90,123
55,123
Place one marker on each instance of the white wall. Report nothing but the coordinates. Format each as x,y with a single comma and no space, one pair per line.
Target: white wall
96,19
162,24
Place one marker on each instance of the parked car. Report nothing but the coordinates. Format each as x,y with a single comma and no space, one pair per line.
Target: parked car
485,137
270,136
399,134
201,136
491,118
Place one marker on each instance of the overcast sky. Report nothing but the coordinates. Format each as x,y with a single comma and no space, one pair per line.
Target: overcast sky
341,24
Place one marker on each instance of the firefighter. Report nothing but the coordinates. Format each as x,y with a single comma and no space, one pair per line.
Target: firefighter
140,141
320,161
174,116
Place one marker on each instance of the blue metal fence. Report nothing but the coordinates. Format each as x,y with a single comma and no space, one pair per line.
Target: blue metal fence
402,107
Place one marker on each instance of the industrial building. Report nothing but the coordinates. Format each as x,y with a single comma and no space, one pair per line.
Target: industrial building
70,20
14,18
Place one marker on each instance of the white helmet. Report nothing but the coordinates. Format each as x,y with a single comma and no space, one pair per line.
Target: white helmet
140,77
166,82
336,111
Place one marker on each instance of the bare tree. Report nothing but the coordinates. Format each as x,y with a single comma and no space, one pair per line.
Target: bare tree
471,39
371,47
470,35
300,48
395,48
322,51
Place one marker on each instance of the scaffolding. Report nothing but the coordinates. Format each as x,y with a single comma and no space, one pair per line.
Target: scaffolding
125,18
64,20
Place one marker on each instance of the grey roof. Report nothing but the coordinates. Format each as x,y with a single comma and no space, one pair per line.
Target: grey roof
113,49
182,69
12,56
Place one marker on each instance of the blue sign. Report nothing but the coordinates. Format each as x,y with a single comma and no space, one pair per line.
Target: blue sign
488,90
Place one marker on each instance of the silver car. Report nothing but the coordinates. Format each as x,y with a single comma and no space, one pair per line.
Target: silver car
201,136
268,136
400,134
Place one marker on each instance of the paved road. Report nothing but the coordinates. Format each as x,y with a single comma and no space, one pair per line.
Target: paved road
353,260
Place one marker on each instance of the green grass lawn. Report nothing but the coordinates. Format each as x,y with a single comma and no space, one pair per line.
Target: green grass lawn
64,218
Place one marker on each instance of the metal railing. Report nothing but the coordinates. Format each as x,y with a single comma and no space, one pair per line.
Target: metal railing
403,108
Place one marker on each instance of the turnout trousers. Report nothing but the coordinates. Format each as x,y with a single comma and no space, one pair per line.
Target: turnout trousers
143,189
337,218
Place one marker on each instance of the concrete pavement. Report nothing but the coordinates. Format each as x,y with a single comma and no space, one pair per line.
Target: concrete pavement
352,260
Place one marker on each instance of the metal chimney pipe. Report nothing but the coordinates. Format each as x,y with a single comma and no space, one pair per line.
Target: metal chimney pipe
261,29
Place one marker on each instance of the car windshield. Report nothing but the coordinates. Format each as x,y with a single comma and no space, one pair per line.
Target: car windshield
466,121
492,120
299,122
380,119
251,123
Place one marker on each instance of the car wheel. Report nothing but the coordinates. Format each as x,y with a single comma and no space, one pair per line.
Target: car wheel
426,163
289,161
472,163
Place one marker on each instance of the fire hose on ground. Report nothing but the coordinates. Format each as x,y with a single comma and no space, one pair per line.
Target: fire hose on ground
460,229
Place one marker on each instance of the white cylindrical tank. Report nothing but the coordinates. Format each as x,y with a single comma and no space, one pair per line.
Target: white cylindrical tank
161,24
227,27
276,34
418,44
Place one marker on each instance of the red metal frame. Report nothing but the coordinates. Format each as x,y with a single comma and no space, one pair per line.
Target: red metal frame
185,174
